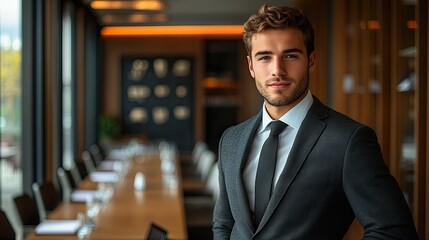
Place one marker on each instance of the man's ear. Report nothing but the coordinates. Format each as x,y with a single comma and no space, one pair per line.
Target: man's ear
249,62
312,61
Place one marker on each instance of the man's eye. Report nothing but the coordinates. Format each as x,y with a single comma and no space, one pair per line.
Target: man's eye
264,58
289,56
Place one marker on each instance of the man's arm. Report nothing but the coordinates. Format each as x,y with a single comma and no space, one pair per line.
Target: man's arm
222,216
373,193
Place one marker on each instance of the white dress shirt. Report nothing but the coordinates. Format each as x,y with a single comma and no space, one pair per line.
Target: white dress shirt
293,119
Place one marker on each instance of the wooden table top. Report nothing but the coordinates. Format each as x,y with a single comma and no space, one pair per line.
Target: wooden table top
129,212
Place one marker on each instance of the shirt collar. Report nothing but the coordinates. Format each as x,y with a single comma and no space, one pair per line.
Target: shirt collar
293,118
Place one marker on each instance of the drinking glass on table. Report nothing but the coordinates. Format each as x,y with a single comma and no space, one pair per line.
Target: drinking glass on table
168,165
86,225
92,210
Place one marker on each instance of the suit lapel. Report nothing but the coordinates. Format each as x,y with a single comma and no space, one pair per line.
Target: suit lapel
242,154
310,130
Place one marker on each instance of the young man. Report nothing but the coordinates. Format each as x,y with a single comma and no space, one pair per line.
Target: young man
328,169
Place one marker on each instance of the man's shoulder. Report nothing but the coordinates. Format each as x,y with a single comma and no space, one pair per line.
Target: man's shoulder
244,126
236,133
330,115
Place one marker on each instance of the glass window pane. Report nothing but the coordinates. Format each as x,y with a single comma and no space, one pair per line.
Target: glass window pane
10,104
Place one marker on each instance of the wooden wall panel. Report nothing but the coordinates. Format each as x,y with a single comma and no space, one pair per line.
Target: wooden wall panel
52,83
339,43
421,127
318,12
354,47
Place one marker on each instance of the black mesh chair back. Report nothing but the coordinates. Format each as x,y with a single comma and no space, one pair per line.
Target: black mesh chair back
6,229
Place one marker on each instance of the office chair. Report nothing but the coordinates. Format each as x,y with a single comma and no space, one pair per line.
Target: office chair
206,197
96,154
198,149
6,229
47,198
27,212
65,184
199,207
189,164
198,180
204,164
75,175
212,183
88,161
81,170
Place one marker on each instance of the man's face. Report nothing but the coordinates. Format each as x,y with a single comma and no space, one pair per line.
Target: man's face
280,66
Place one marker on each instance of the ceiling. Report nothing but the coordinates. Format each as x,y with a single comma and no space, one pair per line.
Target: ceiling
180,12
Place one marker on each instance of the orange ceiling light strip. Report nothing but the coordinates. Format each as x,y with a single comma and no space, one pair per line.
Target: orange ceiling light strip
135,18
137,5
172,30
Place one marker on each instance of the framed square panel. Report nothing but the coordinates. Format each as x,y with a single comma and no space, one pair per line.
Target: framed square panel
157,98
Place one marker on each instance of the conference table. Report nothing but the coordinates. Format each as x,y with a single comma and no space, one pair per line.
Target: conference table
130,211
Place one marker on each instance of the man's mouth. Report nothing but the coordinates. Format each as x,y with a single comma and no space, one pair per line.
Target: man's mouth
279,84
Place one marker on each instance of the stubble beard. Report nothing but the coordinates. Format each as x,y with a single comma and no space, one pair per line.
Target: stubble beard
279,98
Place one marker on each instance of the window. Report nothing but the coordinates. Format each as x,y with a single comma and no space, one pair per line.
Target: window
10,101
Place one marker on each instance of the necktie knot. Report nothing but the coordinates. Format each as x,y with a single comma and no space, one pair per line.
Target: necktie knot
277,127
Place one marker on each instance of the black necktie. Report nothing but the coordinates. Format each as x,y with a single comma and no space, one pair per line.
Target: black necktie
265,172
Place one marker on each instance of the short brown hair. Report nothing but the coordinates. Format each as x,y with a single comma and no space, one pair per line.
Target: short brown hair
272,17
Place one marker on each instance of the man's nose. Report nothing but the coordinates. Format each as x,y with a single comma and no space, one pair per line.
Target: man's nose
279,68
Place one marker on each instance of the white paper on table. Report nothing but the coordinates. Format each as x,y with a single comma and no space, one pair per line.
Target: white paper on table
116,154
82,195
100,176
58,227
106,165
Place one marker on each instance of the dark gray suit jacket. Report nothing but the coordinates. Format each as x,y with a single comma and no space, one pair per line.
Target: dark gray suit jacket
335,172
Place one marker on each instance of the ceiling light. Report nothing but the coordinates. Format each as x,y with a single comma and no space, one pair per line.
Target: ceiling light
134,18
136,5
125,18
226,30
